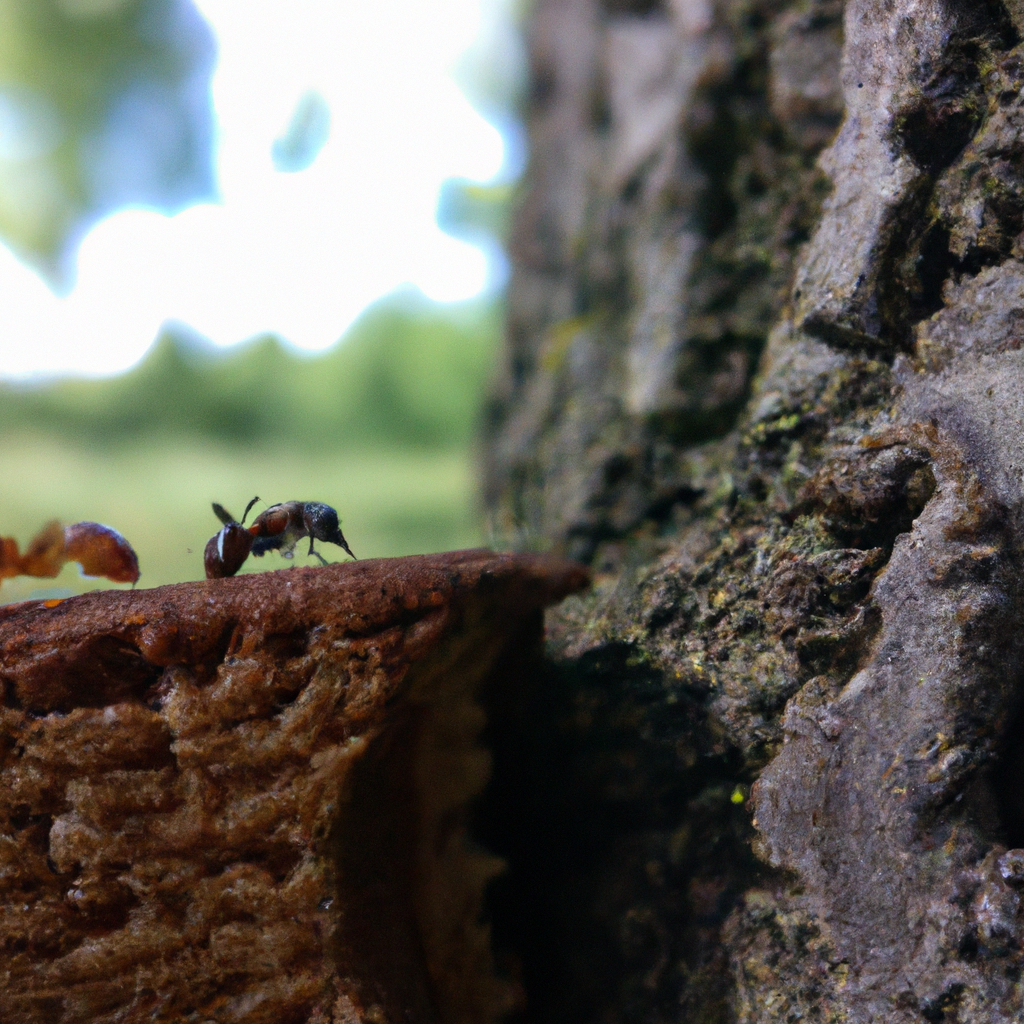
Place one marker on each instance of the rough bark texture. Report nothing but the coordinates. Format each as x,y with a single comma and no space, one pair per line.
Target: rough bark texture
246,799
765,372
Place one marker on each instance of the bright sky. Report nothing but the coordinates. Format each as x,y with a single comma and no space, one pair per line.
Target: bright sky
297,254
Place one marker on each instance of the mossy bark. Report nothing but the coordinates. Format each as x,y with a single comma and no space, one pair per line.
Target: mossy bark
764,373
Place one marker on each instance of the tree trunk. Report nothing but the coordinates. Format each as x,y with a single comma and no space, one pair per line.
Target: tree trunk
764,373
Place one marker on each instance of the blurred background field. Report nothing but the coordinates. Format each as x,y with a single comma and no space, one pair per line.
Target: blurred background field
382,427
124,121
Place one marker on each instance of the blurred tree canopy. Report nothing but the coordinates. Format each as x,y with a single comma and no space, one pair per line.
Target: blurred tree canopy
411,374
106,104
103,104
305,135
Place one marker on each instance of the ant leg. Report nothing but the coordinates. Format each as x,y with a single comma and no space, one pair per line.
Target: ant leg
316,554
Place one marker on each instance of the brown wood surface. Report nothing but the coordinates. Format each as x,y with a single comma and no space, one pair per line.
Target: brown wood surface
216,798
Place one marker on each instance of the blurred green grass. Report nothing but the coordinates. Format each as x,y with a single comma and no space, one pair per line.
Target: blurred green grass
382,427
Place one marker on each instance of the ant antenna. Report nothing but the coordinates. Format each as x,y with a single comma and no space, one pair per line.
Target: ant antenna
249,507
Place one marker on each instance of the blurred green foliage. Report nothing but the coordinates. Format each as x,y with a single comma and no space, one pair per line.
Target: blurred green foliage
305,136
103,103
474,212
409,373
382,427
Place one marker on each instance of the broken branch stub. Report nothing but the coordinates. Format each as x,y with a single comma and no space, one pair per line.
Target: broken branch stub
246,799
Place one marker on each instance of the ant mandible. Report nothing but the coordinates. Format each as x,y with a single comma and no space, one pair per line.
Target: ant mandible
278,528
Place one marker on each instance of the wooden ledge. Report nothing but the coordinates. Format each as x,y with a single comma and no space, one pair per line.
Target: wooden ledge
245,799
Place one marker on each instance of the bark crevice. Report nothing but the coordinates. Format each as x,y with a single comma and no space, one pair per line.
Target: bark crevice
818,570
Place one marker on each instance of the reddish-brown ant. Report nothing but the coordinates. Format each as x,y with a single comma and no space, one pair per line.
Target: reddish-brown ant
278,528
98,549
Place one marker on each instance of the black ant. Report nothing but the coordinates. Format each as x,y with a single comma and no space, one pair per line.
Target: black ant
279,528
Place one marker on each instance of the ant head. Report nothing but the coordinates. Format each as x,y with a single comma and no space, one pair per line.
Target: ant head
322,522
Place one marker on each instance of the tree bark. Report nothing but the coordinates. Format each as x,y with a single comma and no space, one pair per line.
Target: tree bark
764,373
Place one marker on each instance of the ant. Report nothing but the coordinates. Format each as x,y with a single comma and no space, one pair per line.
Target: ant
278,528
100,551
281,527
